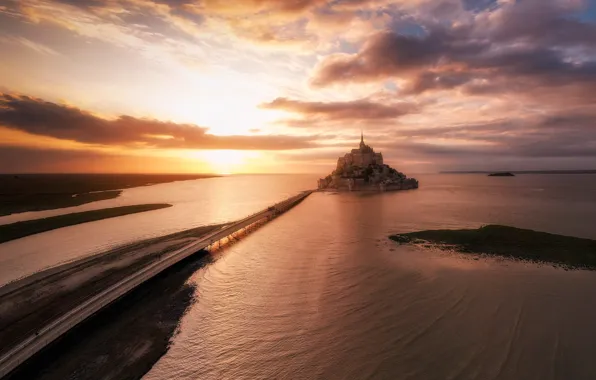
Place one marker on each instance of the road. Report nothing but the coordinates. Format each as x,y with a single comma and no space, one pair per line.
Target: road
46,335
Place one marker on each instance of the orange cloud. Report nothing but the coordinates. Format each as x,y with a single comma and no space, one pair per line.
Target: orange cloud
38,117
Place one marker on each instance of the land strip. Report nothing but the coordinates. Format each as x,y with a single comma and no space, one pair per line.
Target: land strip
86,357
38,192
124,340
505,241
27,305
30,227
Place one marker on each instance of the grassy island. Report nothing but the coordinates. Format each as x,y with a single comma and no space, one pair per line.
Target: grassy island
29,227
512,242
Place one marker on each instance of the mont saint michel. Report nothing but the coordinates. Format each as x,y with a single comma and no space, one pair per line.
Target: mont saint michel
363,170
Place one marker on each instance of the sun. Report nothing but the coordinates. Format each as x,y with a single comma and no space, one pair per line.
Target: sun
225,161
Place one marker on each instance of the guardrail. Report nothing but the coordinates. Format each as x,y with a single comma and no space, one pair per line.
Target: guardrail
49,333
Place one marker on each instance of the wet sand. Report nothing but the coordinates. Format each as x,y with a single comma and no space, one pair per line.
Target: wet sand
32,302
124,340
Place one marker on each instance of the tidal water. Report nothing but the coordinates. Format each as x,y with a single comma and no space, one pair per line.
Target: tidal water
195,203
321,293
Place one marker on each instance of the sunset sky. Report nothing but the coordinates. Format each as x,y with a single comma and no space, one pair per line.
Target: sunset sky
287,86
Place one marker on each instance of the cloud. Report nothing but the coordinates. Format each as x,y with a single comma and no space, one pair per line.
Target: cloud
564,135
388,54
350,110
39,117
29,160
537,43
35,46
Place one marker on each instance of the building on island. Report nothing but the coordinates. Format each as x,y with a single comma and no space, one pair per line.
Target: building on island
361,157
363,169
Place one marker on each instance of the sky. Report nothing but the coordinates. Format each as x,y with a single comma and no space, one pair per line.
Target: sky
274,86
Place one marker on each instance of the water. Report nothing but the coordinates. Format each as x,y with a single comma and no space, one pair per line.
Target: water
195,203
321,293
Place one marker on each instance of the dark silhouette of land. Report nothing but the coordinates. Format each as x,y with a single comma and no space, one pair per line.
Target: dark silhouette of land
30,227
32,302
512,242
124,340
501,174
38,192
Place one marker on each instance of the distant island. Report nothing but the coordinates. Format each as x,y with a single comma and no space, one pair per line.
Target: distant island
363,170
501,174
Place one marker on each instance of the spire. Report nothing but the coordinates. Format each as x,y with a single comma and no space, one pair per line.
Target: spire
361,137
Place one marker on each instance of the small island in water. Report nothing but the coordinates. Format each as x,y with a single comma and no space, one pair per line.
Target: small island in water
501,174
506,241
363,170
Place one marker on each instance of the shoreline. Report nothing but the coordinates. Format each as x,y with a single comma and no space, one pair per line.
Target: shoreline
510,242
42,192
124,340
31,302
26,228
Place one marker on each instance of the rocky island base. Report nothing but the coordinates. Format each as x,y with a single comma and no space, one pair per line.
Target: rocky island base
510,242
363,170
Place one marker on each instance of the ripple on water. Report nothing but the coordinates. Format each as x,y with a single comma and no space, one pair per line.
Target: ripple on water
318,294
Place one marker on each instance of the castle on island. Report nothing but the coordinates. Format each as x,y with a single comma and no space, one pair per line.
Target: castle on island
363,170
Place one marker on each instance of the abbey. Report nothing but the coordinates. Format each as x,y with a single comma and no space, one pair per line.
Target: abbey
363,169
361,157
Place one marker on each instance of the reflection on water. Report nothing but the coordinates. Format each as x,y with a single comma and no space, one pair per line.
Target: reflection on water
321,293
196,203
554,203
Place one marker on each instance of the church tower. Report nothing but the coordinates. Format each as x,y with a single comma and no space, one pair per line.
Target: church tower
362,145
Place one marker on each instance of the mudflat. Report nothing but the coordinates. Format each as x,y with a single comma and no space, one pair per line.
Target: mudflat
38,192
511,242
30,303
124,340
29,227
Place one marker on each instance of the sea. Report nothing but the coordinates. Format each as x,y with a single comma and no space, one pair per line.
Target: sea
322,293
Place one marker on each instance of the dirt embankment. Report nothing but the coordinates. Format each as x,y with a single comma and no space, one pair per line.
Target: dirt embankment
124,340
30,303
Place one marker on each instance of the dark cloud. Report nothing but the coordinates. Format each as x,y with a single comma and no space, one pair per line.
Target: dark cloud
387,54
539,44
351,110
571,135
29,160
542,22
84,3
39,117
479,5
